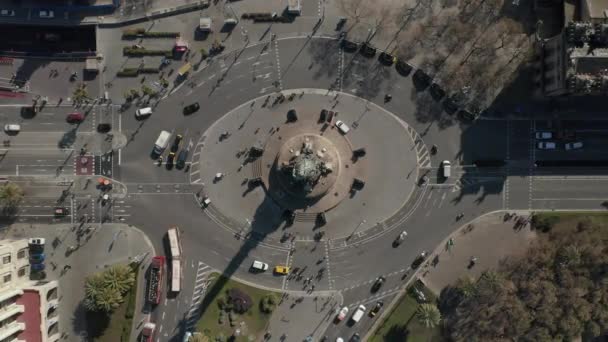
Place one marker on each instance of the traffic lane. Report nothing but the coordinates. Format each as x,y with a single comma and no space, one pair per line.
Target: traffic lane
48,118
569,188
520,139
433,219
346,329
46,140
202,239
309,63
593,148
35,162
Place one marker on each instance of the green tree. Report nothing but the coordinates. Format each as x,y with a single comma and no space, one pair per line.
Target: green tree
428,315
11,195
80,93
145,90
98,296
119,277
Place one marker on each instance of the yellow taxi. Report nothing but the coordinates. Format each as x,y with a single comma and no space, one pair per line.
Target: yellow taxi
280,269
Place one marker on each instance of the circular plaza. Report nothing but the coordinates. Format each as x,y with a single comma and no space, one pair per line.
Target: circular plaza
306,164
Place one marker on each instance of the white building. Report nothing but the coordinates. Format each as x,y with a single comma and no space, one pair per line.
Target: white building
28,309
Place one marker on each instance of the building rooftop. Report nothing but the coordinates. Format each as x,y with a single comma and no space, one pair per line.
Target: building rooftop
31,316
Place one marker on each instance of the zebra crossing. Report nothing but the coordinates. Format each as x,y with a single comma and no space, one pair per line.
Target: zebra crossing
423,155
201,282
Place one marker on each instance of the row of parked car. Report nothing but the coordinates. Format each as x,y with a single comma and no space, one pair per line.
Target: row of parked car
546,141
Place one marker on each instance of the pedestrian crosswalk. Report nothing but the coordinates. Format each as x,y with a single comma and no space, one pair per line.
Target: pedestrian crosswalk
201,282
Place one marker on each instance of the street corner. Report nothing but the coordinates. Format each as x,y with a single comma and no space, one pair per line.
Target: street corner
477,246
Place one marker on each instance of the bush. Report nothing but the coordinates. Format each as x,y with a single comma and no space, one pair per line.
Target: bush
128,72
133,31
544,222
141,32
149,71
240,300
268,303
137,52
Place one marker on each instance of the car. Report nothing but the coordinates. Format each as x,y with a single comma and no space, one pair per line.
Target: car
259,266
544,135
546,145
437,91
181,159
419,260
339,339
37,258
46,14
574,145
36,241
355,338
104,127
187,336
280,269
143,112
378,283
356,317
323,115
12,128
374,311
176,141
61,211
7,13
342,314
189,109
342,127
170,159
403,68
75,117
147,333
400,238
38,267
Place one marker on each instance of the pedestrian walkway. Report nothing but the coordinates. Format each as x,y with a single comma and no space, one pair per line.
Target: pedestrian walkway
489,239
201,282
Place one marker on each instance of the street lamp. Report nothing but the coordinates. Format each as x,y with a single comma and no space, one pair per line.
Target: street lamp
356,228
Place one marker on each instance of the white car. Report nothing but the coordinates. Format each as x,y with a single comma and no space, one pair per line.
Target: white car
259,266
7,13
12,128
546,145
342,314
544,135
46,14
342,127
574,145
36,241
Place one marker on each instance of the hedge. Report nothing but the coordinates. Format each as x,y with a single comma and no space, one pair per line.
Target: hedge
134,72
131,51
150,35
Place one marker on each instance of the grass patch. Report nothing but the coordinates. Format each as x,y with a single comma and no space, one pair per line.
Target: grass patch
254,320
401,324
117,326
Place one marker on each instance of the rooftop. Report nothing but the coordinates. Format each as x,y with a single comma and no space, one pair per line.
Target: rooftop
31,316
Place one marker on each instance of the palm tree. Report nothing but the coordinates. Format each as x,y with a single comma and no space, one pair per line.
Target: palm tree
198,337
428,315
98,296
11,195
119,277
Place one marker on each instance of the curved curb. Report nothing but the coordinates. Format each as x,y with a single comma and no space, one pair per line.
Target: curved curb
319,92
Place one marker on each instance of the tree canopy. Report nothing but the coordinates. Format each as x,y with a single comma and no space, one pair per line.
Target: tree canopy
558,291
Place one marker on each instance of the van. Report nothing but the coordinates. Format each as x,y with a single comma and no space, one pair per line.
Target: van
230,22
447,168
356,317
142,112
161,143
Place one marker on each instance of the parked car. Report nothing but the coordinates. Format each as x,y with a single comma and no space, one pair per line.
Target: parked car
374,311
574,145
12,128
259,266
75,117
546,145
378,283
189,109
7,13
342,127
544,135
48,14
355,338
176,141
38,267
356,317
170,159
419,260
342,314
280,269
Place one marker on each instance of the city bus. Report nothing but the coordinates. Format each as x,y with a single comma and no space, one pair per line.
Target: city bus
175,248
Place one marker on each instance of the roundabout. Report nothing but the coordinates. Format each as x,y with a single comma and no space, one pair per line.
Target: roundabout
301,175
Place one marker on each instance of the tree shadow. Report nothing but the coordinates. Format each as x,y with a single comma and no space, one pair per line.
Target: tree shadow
96,322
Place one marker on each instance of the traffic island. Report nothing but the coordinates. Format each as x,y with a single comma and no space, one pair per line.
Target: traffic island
235,311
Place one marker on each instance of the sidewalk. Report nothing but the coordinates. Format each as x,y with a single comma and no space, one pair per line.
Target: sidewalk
94,253
489,238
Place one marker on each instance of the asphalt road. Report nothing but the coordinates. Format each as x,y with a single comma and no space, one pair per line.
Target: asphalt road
159,198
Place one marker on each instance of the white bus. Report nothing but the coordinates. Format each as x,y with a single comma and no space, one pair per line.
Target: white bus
175,248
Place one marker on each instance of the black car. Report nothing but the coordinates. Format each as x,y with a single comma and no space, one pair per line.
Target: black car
349,46
450,106
403,68
355,338
104,127
175,146
189,109
436,91
376,308
419,260
170,159
378,283
181,159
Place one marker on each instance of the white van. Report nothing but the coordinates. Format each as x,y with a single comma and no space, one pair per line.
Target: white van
447,168
161,143
358,314
259,266
142,112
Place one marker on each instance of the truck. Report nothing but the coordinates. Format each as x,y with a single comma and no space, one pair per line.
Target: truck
161,143
155,280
